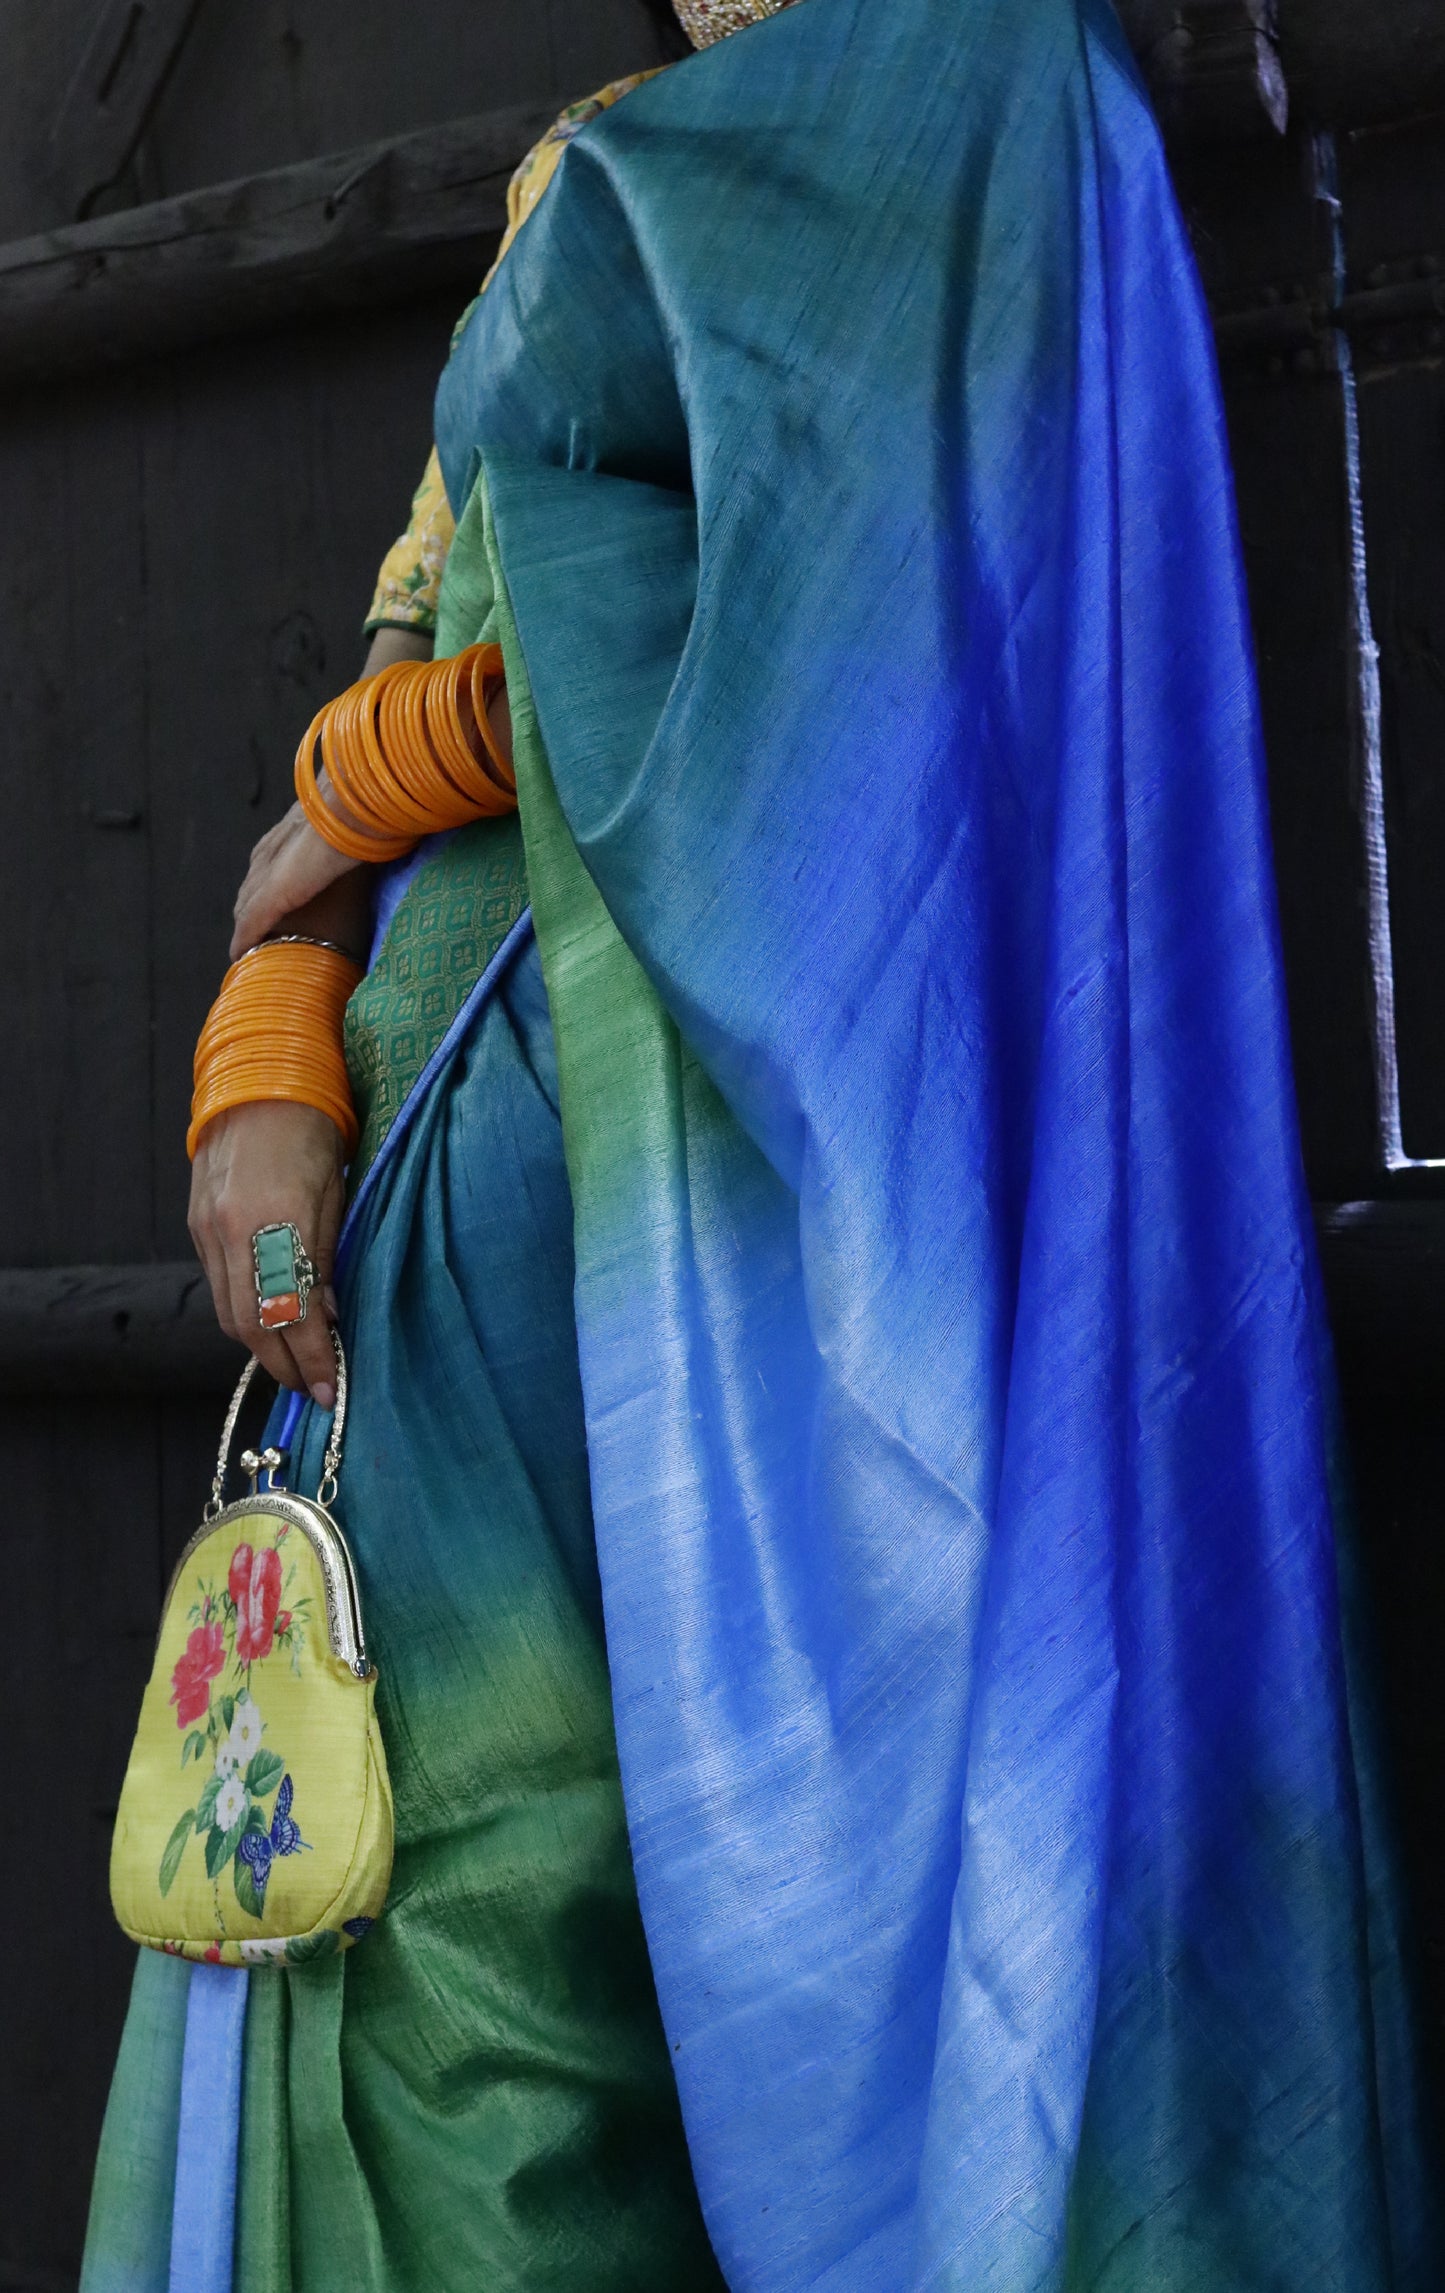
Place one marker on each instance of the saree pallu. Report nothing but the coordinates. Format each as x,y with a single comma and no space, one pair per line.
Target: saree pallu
844,440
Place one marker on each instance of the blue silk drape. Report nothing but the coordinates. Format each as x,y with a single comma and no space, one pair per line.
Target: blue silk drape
855,475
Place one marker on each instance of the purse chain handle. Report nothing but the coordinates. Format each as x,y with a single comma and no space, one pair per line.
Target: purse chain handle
330,1463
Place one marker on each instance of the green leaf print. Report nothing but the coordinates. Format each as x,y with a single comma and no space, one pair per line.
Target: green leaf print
264,1773
193,1746
228,1712
206,1808
220,1847
175,1849
246,1894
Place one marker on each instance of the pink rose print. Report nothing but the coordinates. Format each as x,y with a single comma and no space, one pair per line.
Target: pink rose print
255,1586
203,1656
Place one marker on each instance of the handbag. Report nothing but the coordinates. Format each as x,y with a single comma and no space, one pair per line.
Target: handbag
255,1821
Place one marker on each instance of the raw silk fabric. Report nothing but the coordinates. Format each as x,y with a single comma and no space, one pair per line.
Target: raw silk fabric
478,2096
853,465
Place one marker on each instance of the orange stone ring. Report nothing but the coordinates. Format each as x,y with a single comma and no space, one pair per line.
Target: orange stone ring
285,1276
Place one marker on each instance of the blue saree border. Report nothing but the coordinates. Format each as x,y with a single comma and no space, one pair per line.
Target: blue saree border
516,939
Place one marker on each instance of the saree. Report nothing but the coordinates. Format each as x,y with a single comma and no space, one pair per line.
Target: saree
925,1316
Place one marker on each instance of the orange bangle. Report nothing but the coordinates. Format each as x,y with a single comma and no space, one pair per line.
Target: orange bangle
275,1032
455,753
407,752
487,669
329,827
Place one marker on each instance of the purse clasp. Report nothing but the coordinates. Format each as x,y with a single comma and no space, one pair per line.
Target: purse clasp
268,1461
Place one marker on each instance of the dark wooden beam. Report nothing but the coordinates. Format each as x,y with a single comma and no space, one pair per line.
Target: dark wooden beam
388,220
112,1329
424,211
151,1330
1221,68
1213,66
1353,63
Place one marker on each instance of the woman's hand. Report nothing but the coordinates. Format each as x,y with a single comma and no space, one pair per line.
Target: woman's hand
289,868
292,865
262,1165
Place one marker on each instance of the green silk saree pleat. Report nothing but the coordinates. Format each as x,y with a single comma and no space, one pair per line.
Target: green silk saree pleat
263,2218
480,2093
128,2249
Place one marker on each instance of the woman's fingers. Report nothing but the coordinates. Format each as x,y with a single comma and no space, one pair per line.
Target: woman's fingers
213,1263
270,1164
289,867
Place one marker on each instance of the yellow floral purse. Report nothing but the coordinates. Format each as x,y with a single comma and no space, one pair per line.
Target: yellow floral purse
255,1819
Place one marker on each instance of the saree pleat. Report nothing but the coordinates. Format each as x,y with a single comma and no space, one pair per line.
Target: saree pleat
487,2068
263,2216
128,2246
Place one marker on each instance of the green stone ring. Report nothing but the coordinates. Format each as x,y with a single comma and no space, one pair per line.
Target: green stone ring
285,1276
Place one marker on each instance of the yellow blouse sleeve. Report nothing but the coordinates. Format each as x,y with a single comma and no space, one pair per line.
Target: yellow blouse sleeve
411,571
410,579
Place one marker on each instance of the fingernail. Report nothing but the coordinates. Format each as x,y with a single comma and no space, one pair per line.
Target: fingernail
329,1300
324,1396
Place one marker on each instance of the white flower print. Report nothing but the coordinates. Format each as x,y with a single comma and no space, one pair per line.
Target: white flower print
226,1759
230,1804
245,1739
263,1947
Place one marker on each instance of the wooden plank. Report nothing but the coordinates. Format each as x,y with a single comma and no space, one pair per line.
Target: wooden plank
232,508
279,81
149,1329
146,1329
1348,63
1343,64
1384,1270
388,219
279,469
392,219
103,1494
74,871
1213,66
128,59
84,1575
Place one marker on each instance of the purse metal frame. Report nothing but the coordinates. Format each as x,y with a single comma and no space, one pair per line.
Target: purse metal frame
309,1515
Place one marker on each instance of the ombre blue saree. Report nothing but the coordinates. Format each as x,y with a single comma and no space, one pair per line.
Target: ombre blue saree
840,459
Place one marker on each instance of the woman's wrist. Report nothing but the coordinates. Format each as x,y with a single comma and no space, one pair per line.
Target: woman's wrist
343,913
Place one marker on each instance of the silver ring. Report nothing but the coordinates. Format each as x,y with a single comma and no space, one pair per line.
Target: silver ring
285,1276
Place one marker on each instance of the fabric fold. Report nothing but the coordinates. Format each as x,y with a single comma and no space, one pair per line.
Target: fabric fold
950,1341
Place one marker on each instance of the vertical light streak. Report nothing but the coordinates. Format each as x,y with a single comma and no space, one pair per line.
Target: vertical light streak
1367,680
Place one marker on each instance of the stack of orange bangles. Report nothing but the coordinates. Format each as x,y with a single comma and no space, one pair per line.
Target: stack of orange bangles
407,752
274,1032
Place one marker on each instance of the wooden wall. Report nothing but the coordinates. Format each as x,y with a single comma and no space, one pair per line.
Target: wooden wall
189,548
189,541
